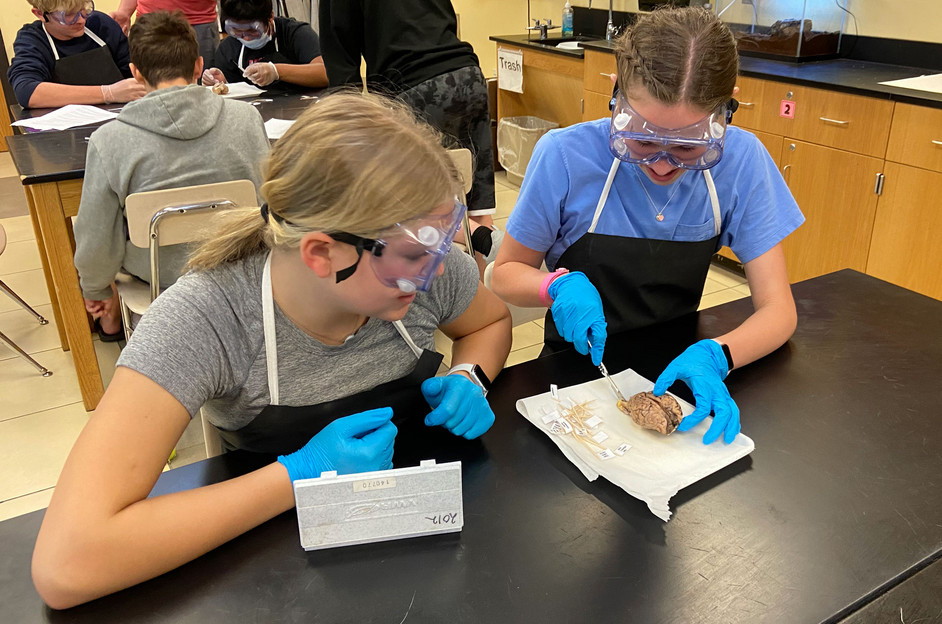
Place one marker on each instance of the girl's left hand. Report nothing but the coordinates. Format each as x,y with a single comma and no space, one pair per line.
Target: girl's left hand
702,366
458,405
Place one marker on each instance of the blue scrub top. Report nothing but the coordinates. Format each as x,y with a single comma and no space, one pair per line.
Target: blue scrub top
568,169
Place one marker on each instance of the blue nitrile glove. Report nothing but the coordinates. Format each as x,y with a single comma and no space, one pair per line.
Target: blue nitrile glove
358,443
458,405
577,312
703,368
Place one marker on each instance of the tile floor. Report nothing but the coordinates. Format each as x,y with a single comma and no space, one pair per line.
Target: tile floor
40,417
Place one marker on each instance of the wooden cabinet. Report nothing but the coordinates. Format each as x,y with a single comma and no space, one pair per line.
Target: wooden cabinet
905,247
836,192
552,89
916,137
597,84
830,154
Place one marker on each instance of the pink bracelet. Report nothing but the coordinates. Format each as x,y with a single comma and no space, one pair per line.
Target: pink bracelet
545,284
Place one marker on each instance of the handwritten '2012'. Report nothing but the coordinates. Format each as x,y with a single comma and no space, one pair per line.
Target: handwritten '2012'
446,518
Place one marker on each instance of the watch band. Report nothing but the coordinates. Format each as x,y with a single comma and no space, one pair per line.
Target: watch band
475,373
729,357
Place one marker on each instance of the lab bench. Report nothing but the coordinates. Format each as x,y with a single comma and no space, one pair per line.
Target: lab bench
833,517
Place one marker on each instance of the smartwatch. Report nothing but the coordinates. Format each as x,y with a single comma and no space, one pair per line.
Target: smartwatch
477,375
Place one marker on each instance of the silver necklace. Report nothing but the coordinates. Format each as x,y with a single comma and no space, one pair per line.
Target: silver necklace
659,213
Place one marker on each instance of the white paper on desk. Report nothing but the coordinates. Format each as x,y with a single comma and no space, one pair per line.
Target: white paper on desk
69,116
656,466
931,83
241,90
276,128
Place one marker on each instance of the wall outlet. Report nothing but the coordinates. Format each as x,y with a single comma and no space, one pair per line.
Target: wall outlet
752,2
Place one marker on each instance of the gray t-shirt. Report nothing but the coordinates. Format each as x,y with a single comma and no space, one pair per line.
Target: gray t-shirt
202,341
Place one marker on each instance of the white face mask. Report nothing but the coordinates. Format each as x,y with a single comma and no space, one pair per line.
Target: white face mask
256,44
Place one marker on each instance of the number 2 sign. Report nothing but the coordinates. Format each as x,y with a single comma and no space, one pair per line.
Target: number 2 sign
787,109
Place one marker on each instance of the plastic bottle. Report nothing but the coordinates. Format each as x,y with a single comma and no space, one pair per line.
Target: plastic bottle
567,20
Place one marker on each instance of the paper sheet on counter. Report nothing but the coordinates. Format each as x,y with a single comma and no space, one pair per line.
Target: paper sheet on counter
276,128
241,90
69,116
656,466
931,83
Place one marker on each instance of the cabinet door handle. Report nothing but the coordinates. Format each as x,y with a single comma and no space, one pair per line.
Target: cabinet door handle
784,172
606,74
934,142
746,104
834,121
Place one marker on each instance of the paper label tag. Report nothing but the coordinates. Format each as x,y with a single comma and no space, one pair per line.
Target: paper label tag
510,70
600,437
593,422
621,450
606,454
554,391
787,109
550,417
565,425
368,485
582,432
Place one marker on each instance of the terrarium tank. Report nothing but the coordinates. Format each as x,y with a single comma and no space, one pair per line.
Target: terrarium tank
793,30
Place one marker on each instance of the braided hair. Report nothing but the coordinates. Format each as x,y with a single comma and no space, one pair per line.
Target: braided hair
680,55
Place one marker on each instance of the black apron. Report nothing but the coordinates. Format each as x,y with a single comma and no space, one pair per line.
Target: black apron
281,429
641,281
89,68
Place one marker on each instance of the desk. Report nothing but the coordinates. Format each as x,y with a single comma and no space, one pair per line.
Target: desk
51,166
839,504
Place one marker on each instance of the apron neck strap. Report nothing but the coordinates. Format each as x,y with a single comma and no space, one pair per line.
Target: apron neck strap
274,37
707,176
55,53
268,329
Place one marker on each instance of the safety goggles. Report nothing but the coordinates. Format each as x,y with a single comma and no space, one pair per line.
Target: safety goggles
246,30
634,139
407,255
69,19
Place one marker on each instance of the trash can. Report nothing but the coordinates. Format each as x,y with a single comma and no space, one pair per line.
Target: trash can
516,138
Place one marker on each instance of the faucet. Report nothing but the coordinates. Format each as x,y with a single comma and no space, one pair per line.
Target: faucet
610,30
544,27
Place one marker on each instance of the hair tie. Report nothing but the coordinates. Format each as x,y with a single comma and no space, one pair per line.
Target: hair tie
264,211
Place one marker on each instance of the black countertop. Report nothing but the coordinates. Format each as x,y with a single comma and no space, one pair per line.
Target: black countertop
849,76
533,42
838,505
54,156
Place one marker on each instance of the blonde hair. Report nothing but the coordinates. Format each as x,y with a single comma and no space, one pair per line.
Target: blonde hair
353,162
680,55
48,6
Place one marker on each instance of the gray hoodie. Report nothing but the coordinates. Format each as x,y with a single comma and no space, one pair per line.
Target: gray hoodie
179,136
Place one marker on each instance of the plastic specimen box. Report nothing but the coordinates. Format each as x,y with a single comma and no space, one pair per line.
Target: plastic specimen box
379,506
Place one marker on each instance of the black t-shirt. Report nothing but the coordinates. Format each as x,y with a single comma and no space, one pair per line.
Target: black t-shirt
294,42
404,42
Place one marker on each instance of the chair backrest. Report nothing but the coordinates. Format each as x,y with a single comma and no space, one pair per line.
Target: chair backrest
181,215
465,165
191,207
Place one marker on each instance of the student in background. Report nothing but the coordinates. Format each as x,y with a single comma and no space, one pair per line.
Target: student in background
200,13
179,134
412,52
71,54
627,213
303,330
272,52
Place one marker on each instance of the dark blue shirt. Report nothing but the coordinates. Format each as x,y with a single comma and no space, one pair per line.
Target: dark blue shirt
33,61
